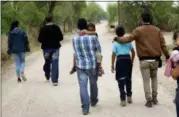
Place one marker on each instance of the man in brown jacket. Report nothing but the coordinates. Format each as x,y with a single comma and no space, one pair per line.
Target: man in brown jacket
149,44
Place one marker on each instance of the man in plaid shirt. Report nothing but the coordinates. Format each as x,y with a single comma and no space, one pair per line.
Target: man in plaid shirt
85,48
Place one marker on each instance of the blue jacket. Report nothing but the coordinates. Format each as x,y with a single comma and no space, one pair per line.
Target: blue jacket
18,41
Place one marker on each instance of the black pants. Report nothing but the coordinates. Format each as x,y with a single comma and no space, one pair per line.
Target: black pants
125,87
124,75
177,99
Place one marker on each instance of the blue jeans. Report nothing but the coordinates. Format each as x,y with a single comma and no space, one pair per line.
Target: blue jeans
177,99
19,59
83,76
51,65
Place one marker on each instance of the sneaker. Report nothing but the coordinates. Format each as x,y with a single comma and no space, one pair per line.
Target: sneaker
73,70
129,100
155,101
23,77
93,103
55,84
123,103
148,104
18,80
85,111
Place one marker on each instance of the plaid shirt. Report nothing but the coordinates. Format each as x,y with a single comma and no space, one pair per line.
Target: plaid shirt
85,48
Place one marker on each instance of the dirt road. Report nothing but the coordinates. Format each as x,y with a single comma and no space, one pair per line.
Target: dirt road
38,98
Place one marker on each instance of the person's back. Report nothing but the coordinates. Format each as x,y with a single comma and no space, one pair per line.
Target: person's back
18,41
51,36
86,57
152,46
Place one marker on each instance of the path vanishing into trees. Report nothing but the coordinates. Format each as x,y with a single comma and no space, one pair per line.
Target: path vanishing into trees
38,98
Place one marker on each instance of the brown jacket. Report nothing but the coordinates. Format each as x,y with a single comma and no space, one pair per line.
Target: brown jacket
149,41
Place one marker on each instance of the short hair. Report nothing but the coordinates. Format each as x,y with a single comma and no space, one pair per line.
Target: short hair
91,25
175,35
82,24
146,17
49,19
14,24
120,31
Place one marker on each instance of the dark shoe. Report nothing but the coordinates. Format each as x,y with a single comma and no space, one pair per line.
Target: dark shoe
148,104
47,77
129,100
73,70
93,103
155,101
18,80
85,111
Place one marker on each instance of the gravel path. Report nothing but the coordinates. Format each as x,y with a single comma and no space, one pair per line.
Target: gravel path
38,98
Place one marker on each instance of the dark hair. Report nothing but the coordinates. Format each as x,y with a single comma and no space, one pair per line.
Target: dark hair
175,35
91,25
120,31
49,19
146,17
82,24
14,24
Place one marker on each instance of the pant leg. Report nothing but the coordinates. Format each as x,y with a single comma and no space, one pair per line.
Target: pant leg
177,99
92,73
121,85
129,84
153,75
55,66
47,64
22,62
17,64
83,83
145,71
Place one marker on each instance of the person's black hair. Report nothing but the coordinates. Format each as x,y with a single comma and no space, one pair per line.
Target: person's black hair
175,35
91,25
146,17
120,31
49,19
14,24
82,24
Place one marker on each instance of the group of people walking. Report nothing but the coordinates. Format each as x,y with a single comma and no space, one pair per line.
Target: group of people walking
87,59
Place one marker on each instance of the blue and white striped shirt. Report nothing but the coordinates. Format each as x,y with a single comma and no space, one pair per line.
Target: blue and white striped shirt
85,48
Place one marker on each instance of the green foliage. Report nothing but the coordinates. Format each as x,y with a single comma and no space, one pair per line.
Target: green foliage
93,12
165,14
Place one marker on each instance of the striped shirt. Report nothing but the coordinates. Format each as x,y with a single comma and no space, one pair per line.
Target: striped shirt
85,48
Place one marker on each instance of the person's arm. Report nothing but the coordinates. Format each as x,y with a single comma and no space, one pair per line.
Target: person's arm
113,58
74,62
133,54
59,33
163,46
97,45
89,32
26,42
129,38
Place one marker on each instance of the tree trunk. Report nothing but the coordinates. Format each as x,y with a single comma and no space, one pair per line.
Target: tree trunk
51,8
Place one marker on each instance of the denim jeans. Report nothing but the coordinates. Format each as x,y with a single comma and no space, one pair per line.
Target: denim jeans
51,65
19,59
83,76
177,99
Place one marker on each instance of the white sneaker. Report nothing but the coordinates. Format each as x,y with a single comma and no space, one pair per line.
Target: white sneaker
23,77
55,84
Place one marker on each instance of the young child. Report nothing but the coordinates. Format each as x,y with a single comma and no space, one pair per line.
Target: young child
175,62
91,31
124,64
